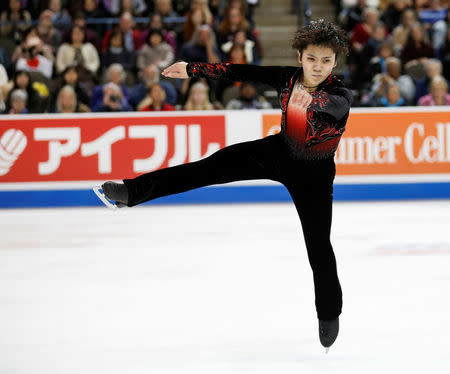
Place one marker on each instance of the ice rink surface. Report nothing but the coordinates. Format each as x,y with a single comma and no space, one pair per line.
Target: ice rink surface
221,289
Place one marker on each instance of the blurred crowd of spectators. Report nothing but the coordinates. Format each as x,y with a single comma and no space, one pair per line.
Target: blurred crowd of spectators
65,56
400,51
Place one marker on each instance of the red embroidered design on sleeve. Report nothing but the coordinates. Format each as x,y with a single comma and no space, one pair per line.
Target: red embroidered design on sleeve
210,70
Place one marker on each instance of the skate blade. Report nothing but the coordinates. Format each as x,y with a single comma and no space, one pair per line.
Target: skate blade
326,350
99,192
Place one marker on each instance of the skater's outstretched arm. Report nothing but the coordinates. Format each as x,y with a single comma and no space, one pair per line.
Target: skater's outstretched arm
274,76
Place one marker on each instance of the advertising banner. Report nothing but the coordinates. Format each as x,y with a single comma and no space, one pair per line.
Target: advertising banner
383,154
98,148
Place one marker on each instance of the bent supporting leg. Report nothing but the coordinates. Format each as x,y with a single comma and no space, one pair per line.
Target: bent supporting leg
315,215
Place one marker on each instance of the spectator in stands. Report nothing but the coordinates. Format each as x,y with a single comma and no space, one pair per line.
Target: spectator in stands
15,20
416,46
21,51
130,35
155,23
363,30
392,76
69,77
245,8
205,8
401,31
18,102
236,54
433,20
372,46
114,74
79,53
117,54
155,100
248,99
112,100
194,19
164,9
90,35
250,51
67,102
438,93
198,98
391,17
155,51
433,68
22,80
135,7
377,64
150,76
351,16
61,17
416,51
33,59
233,21
201,48
47,32
392,96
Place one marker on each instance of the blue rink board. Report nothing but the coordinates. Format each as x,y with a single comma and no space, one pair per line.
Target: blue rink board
230,194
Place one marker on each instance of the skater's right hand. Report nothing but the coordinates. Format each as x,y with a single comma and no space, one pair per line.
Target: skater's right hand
177,70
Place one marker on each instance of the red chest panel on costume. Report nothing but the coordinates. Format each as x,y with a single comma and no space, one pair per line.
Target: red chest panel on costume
313,136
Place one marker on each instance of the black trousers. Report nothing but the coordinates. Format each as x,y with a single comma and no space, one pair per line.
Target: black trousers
309,182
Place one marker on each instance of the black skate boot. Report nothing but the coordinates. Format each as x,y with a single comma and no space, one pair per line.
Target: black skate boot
328,332
116,192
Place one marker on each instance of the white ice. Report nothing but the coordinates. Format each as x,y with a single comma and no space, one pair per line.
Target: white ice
221,289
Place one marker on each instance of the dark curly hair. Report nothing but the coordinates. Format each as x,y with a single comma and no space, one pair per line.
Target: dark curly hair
322,33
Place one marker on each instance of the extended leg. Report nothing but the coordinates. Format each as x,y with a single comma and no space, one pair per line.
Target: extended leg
249,160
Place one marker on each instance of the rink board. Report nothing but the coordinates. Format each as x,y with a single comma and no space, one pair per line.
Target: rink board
54,160
227,195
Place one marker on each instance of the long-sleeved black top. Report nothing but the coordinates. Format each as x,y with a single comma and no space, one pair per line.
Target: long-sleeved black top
310,134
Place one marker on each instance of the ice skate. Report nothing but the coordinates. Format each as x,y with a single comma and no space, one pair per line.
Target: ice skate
113,195
328,332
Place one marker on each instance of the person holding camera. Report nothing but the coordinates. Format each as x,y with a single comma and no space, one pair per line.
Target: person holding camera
113,100
33,60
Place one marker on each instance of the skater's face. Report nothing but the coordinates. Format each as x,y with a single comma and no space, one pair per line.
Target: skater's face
317,62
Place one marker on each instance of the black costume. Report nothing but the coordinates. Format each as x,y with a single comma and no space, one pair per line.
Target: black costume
301,157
